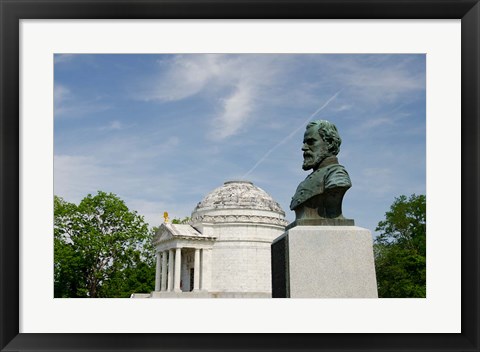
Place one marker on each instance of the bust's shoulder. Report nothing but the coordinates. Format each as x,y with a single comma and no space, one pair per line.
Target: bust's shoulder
310,187
337,176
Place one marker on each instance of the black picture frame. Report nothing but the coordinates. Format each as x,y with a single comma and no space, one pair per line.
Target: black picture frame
11,11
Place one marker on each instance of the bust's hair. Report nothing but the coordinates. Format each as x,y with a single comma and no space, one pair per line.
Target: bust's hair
329,134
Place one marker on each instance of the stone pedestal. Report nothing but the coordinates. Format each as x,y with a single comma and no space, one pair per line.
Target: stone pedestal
324,262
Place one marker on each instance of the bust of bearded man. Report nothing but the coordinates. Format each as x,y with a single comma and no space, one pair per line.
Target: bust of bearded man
318,199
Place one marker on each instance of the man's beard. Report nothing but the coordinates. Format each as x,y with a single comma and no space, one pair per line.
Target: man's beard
311,161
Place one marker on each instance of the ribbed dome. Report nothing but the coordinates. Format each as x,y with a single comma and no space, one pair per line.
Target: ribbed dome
239,195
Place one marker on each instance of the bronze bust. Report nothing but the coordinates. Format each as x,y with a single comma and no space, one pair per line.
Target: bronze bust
318,199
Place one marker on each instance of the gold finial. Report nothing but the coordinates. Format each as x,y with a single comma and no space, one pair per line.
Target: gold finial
165,217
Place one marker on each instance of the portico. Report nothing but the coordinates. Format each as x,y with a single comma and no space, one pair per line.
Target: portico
183,258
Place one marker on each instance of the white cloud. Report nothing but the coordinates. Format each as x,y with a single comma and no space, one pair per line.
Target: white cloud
148,193
184,76
152,211
62,58
67,104
343,107
61,95
77,176
237,79
374,123
124,165
114,125
379,84
237,110
375,181
245,82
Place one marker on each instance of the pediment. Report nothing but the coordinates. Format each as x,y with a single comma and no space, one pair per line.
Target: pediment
164,233
168,232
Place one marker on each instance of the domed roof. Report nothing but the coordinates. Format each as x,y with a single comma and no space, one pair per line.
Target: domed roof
239,195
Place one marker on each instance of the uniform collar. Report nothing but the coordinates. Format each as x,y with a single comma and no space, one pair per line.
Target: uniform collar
329,160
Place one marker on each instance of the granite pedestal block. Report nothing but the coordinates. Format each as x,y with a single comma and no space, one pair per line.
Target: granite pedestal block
324,262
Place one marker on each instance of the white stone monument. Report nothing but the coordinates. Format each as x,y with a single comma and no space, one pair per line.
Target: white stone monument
225,249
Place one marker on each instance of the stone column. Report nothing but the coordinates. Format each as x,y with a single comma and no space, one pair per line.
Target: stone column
164,271
196,270
157,273
178,267
206,273
170,270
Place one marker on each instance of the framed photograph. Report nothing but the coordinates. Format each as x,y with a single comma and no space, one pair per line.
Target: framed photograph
417,63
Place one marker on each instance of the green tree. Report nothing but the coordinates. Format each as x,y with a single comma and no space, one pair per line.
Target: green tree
400,249
101,249
185,220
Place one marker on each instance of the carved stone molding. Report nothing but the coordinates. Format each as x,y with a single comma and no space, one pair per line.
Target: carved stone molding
255,219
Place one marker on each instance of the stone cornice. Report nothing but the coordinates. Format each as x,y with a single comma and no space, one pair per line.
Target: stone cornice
157,240
250,219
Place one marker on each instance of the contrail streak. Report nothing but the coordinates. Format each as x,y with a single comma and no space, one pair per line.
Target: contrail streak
262,159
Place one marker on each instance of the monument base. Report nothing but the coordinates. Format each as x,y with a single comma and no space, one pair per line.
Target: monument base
201,294
324,262
173,294
321,222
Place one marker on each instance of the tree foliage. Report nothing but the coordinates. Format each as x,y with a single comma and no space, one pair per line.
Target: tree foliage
400,249
185,220
101,249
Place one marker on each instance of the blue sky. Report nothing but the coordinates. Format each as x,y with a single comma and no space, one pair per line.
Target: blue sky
162,131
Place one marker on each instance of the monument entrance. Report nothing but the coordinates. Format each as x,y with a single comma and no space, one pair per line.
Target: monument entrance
192,275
